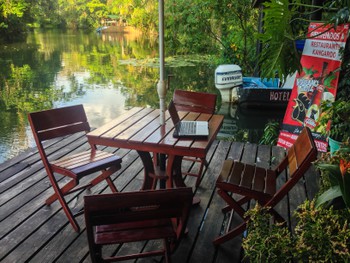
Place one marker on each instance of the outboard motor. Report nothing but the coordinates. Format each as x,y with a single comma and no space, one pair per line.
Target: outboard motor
228,77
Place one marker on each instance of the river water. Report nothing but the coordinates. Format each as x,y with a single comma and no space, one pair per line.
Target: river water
107,73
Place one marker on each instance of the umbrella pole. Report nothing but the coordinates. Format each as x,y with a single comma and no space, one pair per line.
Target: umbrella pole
161,89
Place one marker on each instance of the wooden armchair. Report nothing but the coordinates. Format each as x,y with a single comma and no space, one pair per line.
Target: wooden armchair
60,122
195,102
136,216
259,184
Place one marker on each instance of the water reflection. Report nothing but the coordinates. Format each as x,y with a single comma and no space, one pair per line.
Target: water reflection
108,74
245,124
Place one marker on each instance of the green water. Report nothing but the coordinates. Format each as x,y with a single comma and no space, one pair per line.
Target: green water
108,74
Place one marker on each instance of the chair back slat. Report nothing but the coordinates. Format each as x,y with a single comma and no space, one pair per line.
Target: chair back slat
136,210
137,206
194,101
292,160
59,122
63,131
299,152
300,157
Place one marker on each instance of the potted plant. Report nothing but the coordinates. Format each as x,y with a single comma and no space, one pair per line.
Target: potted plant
334,122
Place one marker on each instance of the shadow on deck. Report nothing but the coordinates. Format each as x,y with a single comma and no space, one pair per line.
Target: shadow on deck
30,231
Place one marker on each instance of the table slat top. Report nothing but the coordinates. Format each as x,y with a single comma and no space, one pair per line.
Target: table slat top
139,129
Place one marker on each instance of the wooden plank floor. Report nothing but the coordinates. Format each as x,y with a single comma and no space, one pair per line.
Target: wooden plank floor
30,231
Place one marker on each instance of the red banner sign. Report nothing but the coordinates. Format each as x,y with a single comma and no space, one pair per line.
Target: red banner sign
317,81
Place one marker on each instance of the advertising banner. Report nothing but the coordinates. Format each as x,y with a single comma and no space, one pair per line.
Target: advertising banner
317,81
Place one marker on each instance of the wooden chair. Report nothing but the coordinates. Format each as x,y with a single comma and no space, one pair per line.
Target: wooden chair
137,216
254,183
195,102
50,124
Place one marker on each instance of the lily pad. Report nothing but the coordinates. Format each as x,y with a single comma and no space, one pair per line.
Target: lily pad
173,62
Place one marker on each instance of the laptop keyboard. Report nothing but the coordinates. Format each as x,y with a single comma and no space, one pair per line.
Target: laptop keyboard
188,128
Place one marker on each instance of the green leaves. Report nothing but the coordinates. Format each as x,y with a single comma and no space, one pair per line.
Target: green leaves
338,112
329,195
271,132
322,234
266,242
336,171
342,16
279,55
16,8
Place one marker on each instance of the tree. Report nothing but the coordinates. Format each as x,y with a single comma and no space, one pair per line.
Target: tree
217,27
12,26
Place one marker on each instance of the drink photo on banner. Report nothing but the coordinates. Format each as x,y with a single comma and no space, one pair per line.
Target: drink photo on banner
317,82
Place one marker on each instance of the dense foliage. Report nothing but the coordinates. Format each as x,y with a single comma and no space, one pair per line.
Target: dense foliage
225,27
286,21
320,235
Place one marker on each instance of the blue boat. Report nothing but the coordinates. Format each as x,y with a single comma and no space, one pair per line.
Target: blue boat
252,92
265,93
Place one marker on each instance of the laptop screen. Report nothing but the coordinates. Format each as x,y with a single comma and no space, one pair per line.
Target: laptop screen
173,113
198,129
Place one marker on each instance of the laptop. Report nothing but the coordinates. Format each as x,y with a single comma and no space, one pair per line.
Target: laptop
183,129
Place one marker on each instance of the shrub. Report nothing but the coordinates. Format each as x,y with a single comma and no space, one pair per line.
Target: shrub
266,242
321,235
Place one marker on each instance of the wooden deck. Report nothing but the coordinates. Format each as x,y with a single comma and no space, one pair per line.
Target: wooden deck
30,231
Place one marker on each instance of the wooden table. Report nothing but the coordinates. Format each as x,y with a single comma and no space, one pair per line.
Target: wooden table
139,129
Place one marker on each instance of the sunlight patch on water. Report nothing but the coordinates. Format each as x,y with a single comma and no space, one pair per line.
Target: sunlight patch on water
101,106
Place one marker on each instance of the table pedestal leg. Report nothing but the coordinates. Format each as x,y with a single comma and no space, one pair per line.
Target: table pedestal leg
174,171
147,161
162,167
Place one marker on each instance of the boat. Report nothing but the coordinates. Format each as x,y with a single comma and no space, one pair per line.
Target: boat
101,28
263,93
114,29
114,24
252,92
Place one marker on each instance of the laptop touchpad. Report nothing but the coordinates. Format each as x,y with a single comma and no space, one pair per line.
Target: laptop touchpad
202,128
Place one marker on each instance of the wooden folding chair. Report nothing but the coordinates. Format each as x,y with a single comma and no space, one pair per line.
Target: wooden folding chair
196,102
137,216
255,183
60,122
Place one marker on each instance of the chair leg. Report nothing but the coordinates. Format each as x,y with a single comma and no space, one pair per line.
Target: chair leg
60,196
235,206
155,160
105,175
111,185
201,166
203,162
230,234
96,253
167,251
241,201
64,190
69,214
231,203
